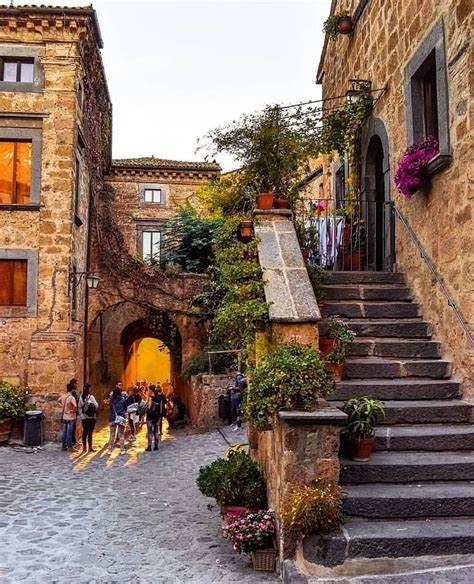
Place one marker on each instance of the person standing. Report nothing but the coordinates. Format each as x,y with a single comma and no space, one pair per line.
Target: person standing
73,383
69,405
156,407
117,412
133,401
88,407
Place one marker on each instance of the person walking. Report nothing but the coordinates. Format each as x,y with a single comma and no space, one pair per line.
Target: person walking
88,407
73,383
69,405
117,412
133,401
156,407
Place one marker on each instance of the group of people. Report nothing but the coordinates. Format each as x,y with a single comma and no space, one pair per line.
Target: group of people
124,408
230,404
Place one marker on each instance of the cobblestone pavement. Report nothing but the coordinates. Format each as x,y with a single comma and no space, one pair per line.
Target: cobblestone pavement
103,518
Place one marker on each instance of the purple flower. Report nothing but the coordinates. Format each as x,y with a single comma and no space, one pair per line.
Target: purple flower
409,175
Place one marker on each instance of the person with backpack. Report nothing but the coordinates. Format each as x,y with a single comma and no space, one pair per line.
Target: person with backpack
133,403
117,412
156,408
88,407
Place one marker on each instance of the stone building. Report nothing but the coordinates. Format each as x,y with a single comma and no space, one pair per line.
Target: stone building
57,187
420,53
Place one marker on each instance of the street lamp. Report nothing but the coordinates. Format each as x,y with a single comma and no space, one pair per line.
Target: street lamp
92,281
353,94
75,278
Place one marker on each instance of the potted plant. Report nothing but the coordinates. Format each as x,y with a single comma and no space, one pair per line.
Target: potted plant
355,248
253,533
281,203
338,23
236,482
316,507
292,377
410,175
246,230
363,414
12,407
335,346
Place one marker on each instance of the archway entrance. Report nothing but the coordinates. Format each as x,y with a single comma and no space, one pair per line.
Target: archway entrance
376,206
147,359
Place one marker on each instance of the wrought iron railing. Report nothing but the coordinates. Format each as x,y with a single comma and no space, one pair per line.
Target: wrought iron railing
437,276
349,236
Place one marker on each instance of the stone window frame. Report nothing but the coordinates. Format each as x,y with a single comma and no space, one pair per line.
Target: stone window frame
31,256
22,52
341,164
164,194
143,225
433,44
35,135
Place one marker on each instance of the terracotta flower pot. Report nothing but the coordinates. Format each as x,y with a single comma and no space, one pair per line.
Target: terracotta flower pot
265,200
281,203
345,25
352,261
335,369
327,345
305,254
5,430
246,230
233,510
361,448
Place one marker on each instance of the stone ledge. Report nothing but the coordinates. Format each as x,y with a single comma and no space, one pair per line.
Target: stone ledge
271,214
322,417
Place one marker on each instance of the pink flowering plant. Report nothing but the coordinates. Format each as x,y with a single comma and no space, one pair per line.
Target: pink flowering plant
410,175
250,531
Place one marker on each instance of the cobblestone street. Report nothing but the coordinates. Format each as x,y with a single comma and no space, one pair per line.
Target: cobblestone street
137,518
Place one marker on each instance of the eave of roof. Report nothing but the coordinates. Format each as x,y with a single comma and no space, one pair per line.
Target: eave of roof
56,11
152,163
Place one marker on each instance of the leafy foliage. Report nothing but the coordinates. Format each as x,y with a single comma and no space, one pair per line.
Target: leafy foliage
291,376
251,531
363,414
330,24
236,479
199,364
189,240
12,401
340,331
313,508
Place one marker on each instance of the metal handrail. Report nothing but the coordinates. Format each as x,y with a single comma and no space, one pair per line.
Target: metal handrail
439,279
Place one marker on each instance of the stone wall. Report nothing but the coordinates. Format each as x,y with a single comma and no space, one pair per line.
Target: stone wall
201,400
386,37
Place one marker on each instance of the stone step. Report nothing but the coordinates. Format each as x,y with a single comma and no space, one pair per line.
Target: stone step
392,539
394,293
408,388
436,437
412,500
366,278
378,367
453,411
402,348
403,328
369,309
409,467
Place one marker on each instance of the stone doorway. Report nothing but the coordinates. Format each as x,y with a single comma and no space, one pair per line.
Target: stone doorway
376,207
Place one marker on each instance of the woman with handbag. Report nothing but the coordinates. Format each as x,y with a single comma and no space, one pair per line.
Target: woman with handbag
117,412
133,402
88,407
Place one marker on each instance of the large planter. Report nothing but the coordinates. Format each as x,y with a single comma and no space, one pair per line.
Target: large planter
281,203
335,369
327,345
264,559
360,449
345,25
265,200
233,510
5,430
352,261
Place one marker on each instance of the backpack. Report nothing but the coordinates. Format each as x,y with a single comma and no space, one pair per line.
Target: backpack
155,406
89,409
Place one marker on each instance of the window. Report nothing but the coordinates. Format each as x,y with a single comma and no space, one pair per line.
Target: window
13,282
15,70
152,195
74,285
340,187
15,172
77,189
151,246
426,88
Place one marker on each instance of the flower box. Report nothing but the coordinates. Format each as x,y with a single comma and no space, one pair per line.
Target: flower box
264,559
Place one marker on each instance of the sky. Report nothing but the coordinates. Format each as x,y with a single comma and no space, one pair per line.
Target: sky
177,69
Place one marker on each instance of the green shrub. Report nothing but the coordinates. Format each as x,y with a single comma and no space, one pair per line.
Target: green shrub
234,480
12,401
292,376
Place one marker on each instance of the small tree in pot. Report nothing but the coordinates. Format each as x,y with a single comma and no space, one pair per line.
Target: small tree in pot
12,407
363,414
335,346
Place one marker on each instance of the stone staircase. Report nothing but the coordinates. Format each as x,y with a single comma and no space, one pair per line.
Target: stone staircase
415,497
